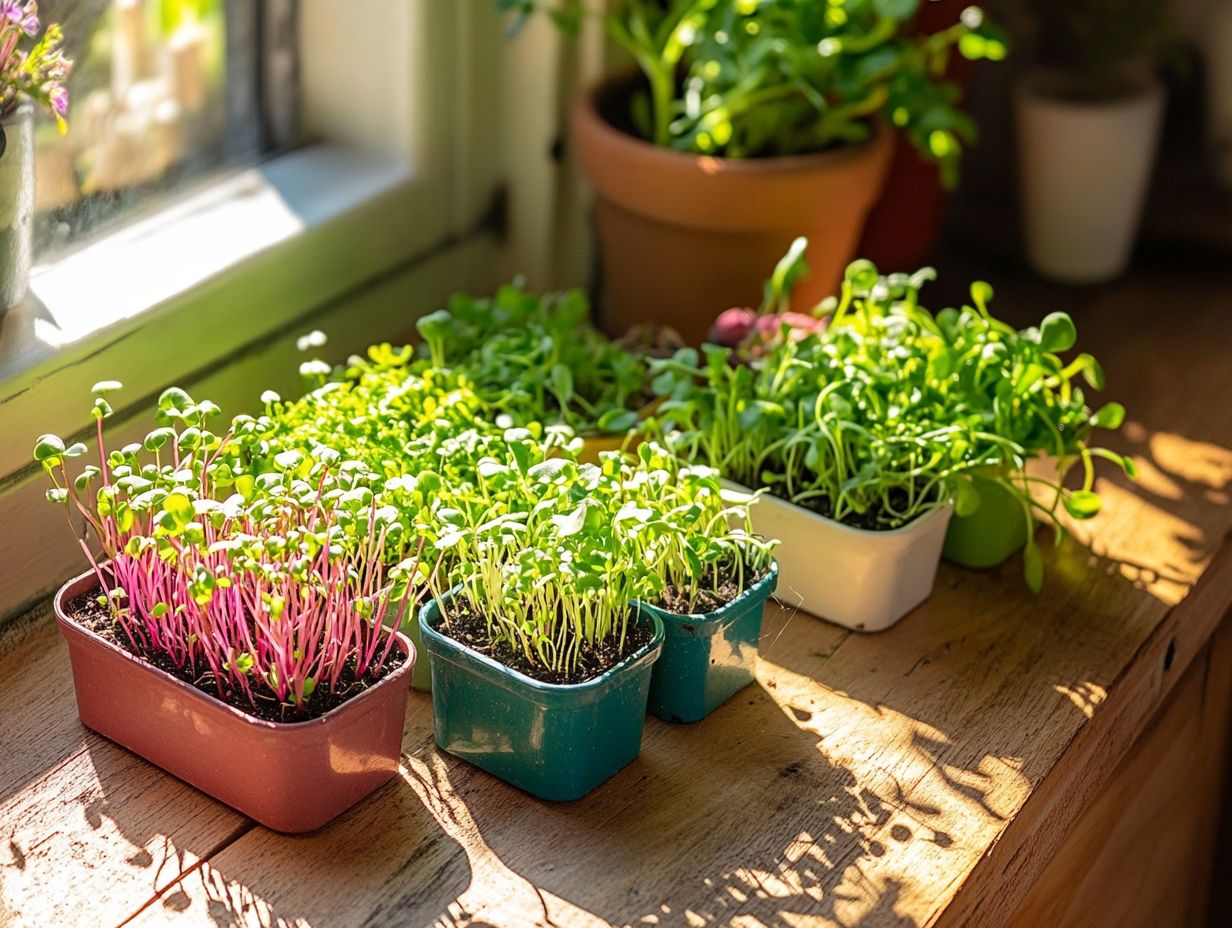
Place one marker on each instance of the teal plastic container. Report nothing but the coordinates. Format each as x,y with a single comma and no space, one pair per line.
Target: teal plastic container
708,658
990,535
554,741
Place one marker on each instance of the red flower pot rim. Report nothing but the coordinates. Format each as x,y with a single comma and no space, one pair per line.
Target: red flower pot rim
391,678
586,107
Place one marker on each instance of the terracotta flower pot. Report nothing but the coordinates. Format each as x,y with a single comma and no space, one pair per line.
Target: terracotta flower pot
683,237
291,777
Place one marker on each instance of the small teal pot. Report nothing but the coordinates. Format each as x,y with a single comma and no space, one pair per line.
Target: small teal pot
990,535
554,741
708,658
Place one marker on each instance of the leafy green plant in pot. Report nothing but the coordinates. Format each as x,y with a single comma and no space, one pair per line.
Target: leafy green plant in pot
708,579
905,223
865,439
747,123
1014,409
29,77
1088,126
534,358
541,660
1030,422
231,629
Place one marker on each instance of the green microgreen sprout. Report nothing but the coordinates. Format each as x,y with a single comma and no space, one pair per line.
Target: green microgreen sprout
887,413
553,555
272,586
537,359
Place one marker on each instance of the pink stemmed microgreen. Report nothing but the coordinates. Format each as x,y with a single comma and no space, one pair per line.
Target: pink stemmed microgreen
273,586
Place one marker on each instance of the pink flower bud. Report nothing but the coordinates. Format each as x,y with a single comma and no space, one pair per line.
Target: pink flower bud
732,325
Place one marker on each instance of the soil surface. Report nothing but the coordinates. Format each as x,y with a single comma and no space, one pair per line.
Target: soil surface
471,629
86,611
871,521
676,600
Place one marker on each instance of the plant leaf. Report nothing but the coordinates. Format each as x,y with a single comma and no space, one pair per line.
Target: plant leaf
1109,417
1057,332
1082,504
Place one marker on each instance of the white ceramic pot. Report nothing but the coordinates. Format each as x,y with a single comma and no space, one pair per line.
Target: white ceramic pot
860,579
1218,47
1085,168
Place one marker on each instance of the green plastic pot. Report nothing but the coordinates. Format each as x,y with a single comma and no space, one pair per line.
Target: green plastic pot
990,535
708,658
554,741
421,676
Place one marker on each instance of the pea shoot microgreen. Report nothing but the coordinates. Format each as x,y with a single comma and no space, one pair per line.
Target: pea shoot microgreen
887,412
273,585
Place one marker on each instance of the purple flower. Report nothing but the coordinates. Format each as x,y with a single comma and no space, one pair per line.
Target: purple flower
7,49
40,72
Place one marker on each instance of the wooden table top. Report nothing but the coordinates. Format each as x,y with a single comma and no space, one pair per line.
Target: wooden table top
921,776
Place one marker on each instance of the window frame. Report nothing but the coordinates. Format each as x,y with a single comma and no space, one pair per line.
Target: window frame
366,227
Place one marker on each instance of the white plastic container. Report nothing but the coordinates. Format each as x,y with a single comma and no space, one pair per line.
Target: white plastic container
1085,170
860,579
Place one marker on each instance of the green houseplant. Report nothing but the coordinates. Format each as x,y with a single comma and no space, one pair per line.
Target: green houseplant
1088,125
868,434
533,358
29,77
231,629
745,118
516,358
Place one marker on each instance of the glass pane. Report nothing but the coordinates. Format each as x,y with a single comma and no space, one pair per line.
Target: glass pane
148,112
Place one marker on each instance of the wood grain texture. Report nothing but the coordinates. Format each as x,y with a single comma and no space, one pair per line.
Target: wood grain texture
1132,853
923,776
88,831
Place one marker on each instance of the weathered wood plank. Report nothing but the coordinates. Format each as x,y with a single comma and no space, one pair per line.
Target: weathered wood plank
1103,876
922,776
89,831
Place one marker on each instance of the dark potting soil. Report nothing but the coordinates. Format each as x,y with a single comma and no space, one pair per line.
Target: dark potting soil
86,611
676,600
871,521
471,629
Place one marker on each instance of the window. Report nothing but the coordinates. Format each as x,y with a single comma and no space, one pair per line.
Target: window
204,274
164,93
